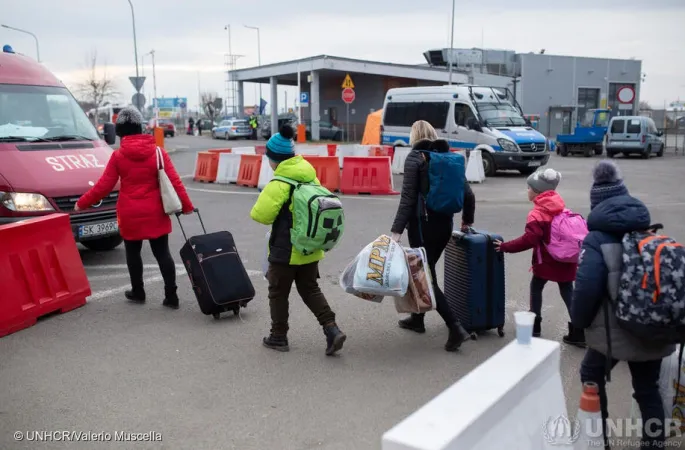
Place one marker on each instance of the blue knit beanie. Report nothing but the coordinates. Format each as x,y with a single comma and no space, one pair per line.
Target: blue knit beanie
281,146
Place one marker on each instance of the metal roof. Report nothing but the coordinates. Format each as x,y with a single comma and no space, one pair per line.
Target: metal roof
286,71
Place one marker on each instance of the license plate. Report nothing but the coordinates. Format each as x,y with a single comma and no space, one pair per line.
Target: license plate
98,229
534,164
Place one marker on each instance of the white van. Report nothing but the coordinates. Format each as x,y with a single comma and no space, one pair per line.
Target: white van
469,118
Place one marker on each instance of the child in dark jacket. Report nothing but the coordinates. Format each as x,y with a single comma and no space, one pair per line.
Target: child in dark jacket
613,214
547,203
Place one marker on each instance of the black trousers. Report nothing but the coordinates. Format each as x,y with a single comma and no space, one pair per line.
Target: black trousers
433,235
536,287
160,248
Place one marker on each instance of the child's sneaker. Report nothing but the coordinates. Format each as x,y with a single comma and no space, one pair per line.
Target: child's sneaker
334,339
276,342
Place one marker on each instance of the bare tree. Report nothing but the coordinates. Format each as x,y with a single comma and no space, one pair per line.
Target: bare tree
644,106
97,88
211,105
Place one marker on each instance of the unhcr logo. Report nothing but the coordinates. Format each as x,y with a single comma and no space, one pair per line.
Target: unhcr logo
563,431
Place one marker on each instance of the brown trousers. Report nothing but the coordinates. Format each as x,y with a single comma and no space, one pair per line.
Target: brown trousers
281,278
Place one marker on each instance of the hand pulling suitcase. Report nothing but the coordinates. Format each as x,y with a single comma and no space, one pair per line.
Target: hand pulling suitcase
474,281
216,272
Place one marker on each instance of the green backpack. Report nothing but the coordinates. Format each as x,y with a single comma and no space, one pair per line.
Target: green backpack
318,217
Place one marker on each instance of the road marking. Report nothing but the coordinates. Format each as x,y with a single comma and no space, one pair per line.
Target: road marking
185,177
118,290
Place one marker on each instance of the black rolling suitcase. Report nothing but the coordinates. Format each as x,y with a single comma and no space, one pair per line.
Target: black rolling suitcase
216,272
474,281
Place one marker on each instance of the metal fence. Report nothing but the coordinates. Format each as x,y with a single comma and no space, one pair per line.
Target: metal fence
672,123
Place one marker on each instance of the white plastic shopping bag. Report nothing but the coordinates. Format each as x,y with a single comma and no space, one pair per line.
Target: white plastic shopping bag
420,296
379,270
672,393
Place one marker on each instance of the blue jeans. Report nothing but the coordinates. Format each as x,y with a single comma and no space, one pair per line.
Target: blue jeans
645,377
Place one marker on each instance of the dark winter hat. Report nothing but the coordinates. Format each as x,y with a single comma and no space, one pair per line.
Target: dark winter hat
129,122
281,146
608,182
544,180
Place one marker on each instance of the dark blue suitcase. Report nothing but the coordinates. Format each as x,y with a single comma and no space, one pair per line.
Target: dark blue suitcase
474,281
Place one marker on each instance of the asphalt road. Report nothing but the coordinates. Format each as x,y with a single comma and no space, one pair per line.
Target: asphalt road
205,384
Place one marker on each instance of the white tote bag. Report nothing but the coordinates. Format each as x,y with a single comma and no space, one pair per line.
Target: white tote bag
170,200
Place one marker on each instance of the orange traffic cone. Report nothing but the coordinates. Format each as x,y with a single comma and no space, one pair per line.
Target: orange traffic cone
589,432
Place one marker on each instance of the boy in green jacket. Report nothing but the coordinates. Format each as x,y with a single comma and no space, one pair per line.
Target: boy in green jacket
287,265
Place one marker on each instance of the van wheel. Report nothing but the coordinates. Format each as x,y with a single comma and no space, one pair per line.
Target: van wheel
610,154
587,152
563,151
488,164
660,153
599,149
104,244
645,154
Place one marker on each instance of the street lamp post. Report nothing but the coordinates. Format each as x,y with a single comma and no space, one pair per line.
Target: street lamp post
259,62
135,41
154,87
230,81
29,33
142,67
451,55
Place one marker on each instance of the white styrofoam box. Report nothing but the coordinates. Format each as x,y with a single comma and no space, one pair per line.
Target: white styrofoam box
229,167
243,151
266,173
400,157
474,168
311,150
352,150
506,402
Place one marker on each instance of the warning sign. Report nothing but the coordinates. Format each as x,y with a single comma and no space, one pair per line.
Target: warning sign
348,84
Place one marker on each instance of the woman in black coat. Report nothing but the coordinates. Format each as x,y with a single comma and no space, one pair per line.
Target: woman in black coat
435,229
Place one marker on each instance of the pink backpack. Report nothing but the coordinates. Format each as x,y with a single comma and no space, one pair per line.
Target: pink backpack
568,230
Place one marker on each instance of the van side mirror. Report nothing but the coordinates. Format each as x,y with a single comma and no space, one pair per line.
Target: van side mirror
109,133
659,133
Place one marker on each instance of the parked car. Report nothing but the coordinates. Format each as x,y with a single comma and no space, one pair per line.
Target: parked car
166,124
265,121
327,131
634,135
232,129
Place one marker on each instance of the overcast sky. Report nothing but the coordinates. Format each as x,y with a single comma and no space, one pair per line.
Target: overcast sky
190,41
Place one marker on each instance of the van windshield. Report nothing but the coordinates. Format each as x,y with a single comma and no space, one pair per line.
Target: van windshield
36,113
501,114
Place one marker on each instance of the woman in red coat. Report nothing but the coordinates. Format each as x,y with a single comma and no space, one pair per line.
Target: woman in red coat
140,212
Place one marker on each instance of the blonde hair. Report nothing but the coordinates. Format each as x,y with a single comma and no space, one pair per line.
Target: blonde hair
422,130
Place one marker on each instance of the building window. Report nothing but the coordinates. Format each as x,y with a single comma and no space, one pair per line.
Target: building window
405,114
588,98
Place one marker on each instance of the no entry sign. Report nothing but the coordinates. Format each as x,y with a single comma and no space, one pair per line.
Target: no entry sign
348,95
626,95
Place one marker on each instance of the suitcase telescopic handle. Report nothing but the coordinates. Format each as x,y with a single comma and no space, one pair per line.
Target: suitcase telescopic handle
178,217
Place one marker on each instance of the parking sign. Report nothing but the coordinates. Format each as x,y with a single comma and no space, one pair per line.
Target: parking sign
304,99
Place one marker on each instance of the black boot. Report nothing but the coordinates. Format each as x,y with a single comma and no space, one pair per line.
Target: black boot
456,337
334,339
276,342
413,323
135,295
537,327
170,298
575,336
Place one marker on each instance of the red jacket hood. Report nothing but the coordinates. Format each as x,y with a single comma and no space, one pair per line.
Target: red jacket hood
549,203
138,147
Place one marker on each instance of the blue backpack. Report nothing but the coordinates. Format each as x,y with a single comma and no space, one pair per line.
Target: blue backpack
446,177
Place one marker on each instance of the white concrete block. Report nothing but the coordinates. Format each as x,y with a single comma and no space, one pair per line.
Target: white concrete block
311,150
243,151
502,404
474,168
399,159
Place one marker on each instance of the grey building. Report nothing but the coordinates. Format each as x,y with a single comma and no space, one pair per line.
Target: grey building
557,89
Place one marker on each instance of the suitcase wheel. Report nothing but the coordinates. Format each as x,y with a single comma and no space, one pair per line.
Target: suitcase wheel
474,336
216,316
500,331
236,310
